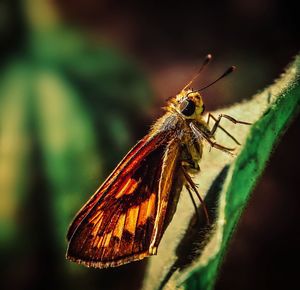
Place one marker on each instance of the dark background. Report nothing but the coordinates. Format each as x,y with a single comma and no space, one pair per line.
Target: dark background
165,42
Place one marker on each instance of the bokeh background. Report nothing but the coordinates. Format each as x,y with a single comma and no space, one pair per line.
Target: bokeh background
81,82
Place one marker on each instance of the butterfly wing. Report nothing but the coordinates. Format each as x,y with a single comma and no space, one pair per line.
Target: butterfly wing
124,219
136,153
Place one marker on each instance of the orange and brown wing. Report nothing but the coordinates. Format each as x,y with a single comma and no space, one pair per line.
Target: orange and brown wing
123,221
129,162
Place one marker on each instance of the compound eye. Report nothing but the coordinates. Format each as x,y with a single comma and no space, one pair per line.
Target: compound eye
187,108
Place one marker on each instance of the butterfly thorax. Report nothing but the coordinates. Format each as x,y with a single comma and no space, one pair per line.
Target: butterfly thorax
189,108
183,109
191,150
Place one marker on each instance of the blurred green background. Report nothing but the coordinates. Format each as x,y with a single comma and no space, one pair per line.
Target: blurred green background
80,83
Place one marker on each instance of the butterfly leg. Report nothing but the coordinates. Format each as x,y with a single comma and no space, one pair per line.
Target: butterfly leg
220,147
192,185
205,135
217,125
193,201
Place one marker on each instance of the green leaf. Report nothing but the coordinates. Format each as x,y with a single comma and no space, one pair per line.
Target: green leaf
14,148
190,256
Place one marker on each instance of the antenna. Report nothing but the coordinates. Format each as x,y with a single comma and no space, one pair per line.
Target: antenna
204,64
226,73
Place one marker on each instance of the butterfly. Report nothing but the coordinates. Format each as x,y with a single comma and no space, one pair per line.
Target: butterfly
126,217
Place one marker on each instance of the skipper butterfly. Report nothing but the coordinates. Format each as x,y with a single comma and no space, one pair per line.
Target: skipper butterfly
126,217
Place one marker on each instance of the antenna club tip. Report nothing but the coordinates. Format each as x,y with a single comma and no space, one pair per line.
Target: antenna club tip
209,56
233,67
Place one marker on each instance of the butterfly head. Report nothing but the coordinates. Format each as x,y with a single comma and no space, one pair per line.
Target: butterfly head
188,104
